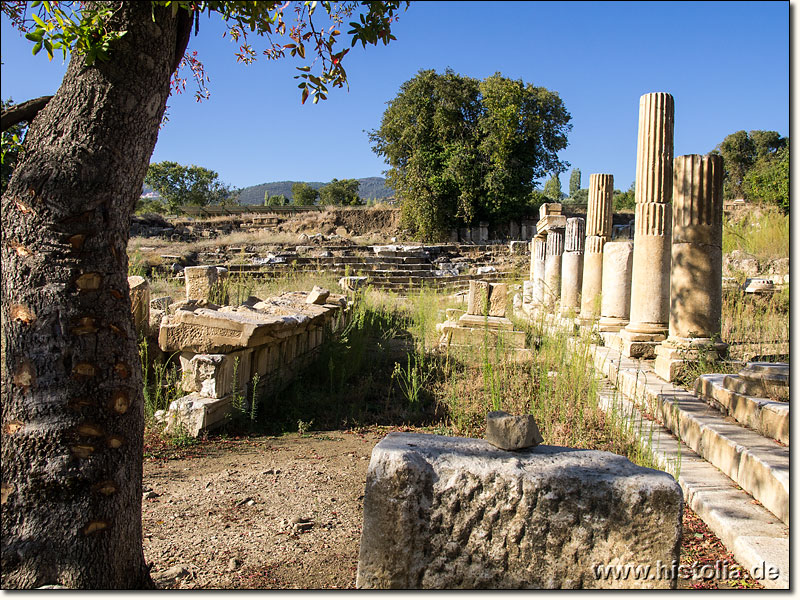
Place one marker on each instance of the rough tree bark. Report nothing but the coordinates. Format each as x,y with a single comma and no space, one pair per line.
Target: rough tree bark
72,404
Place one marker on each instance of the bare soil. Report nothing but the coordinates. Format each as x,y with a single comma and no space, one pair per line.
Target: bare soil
286,512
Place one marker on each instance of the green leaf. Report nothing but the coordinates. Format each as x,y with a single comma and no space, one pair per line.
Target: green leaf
49,47
36,48
34,36
39,22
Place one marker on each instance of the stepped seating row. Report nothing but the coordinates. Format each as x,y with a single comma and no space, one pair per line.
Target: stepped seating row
735,425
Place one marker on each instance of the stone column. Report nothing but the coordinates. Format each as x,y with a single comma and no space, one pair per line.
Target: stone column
552,267
538,246
572,265
696,272
598,232
616,303
649,320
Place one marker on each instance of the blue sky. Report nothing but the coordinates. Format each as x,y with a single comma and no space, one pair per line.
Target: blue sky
725,63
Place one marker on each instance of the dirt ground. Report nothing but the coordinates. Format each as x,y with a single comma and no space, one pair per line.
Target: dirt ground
286,512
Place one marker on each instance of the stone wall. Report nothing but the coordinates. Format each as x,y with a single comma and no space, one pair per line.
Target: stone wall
229,353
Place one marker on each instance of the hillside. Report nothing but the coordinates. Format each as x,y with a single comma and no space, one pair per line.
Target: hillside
369,187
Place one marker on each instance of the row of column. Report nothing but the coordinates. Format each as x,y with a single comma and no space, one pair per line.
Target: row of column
663,289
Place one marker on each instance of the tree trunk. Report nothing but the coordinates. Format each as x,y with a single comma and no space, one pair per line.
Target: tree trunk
72,403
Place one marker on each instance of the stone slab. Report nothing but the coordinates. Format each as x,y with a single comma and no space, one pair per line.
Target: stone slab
512,432
477,321
457,513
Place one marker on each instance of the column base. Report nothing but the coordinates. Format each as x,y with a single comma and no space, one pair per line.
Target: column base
611,324
675,355
641,344
611,339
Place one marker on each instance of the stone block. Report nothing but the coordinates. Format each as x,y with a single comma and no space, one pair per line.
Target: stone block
551,222
549,208
140,303
205,330
457,513
498,297
204,283
212,375
480,322
317,295
512,432
161,303
195,413
518,247
478,298
352,284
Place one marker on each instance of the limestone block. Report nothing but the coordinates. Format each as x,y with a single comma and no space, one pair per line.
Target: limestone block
478,298
517,247
551,222
498,296
480,321
527,292
204,283
140,303
212,375
549,208
195,413
318,295
512,432
453,332
457,513
206,330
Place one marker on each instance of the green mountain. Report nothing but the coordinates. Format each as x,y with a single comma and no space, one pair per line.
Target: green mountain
368,187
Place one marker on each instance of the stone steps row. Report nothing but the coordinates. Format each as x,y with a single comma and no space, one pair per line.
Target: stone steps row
758,464
756,538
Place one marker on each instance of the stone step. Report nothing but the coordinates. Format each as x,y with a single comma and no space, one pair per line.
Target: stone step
758,464
768,417
755,537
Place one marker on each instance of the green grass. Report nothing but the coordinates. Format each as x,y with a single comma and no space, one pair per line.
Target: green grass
764,234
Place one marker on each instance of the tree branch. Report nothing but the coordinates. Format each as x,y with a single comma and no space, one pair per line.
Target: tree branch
25,111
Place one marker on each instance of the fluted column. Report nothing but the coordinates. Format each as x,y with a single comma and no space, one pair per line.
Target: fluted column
598,232
552,267
649,320
696,271
616,304
538,246
572,265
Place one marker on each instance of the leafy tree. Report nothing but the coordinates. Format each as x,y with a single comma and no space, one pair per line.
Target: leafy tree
340,192
72,402
768,180
574,183
552,188
581,196
12,140
303,194
192,185
462,150
741,151
276,200
625,200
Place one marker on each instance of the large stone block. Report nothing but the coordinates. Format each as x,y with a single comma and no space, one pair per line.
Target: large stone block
205,283
205,330
216,375
447,513
478,298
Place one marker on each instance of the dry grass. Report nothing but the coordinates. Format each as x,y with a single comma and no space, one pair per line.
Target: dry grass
760,232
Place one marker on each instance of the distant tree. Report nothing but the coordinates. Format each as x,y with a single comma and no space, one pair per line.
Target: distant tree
741,151
581,196
303,194
625,200
276,200
768,180
574,183
192,185
552,188
342,192
12,139
462,150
